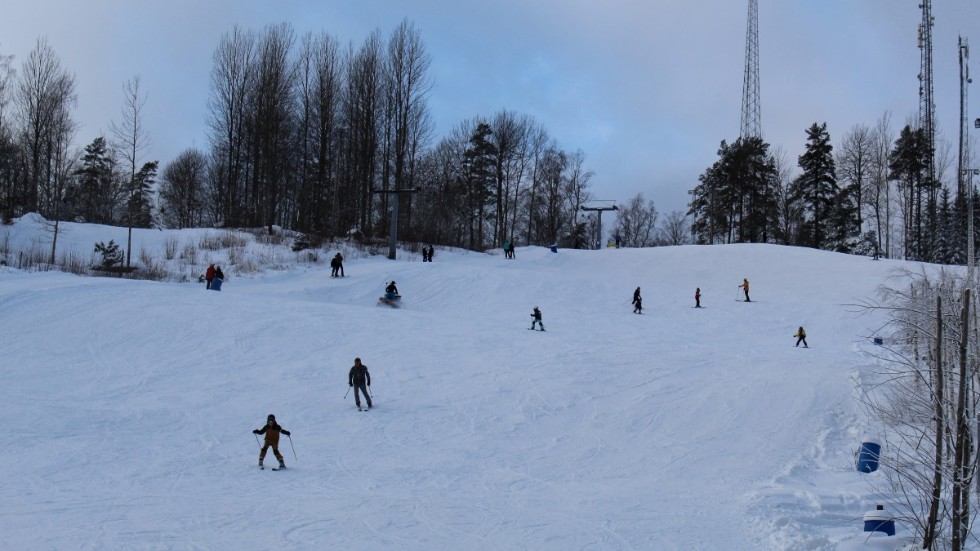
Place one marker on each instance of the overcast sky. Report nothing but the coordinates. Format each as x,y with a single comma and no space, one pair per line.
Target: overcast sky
646,89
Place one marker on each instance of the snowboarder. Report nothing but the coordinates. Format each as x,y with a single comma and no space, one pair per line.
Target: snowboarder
745,286
697,297
337,266
537,319
358,378
208,276
801,337
272,430
637,302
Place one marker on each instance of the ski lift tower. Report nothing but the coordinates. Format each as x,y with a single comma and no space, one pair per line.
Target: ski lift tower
599,210
393,232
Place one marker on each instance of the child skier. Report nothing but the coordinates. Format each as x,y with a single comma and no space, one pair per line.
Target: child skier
637,302
697,297
537,319
801,337
271,431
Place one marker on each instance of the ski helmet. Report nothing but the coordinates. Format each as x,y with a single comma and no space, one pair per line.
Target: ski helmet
271,417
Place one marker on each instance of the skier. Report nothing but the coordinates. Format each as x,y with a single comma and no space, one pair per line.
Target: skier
425,253
272,430
218,274
357,378
209,275
537,319
431,252
637,302
697,297
801,337
745,286
337,266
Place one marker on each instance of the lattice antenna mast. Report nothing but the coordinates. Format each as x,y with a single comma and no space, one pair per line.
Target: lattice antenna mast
751,111
927,106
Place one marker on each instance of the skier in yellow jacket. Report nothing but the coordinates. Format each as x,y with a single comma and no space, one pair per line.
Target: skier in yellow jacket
745,286
271,431
801,337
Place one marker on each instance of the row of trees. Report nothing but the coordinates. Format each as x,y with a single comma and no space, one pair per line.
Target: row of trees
304,133
874,194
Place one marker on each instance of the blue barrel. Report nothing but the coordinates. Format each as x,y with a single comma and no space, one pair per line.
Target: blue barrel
878,521
216,284
868,457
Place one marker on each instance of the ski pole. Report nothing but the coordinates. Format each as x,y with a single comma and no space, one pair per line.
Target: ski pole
291,446
257,439
348,392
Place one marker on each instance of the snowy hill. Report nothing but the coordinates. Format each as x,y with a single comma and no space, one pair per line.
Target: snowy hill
129,404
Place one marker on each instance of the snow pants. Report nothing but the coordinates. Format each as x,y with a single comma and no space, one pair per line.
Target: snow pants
275,452
361,388
803,340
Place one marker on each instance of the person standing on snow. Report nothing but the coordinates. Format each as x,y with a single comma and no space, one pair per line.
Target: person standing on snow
745,286
209,275
337,266
537,319
359,379
801,337
271,430
637,302
697,297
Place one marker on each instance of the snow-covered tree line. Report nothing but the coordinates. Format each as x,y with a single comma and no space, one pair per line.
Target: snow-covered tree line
305,133
872,194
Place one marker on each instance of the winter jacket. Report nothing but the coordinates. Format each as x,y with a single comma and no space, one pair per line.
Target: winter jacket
209,274
359,375
800,333
272,434
336,262
537,314
745,285
636,295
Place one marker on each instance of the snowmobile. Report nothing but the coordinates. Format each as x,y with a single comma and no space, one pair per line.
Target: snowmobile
390,299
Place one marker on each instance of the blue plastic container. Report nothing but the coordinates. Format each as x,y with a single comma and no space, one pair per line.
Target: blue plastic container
216,284
878,521
868,457
879,341
554,248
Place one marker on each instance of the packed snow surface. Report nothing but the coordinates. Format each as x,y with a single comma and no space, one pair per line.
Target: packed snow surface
129,405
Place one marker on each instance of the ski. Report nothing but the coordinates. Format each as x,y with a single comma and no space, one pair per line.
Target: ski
278,469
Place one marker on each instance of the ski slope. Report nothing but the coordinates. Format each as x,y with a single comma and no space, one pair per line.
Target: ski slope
129,404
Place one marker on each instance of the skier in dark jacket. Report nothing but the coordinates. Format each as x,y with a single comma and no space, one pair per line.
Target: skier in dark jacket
218,274
271,430
697,297
637,301
359,379
537,319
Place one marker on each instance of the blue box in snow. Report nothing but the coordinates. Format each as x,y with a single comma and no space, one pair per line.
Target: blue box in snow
215,284
878,521
879,341
868,458
554,248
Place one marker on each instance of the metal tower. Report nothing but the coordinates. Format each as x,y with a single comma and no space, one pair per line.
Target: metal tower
751,112
927,106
